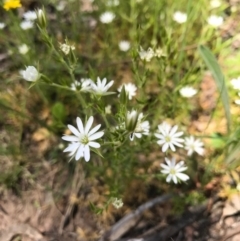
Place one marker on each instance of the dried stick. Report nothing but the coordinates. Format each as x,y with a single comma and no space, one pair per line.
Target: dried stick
129,221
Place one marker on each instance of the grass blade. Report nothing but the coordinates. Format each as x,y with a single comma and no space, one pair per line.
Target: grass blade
212,64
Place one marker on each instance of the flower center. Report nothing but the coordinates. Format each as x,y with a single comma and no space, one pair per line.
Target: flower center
167,138
84,140
172,171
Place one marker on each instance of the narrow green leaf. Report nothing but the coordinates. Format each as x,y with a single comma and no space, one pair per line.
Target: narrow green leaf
212,64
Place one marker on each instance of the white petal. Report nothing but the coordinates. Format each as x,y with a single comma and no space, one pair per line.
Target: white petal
72,148
169,178
175,179
80,125
160,142
70,138
86,153
182,176
94,144
74,130
173,130
172,147
165,147
138,135
96,136
89,124
94,130
79,153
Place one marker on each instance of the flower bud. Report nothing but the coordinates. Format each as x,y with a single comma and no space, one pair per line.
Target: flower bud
131,120
123,96
41,18
31,74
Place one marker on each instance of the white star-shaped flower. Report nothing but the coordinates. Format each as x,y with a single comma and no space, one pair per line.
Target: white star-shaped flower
174,171
235,83
142,128
146,55
193,145
30,15
107,17
188,91
84,85
30,74
102,87
180,17
83,139
215,21
130,89
26,24
169,137
124,45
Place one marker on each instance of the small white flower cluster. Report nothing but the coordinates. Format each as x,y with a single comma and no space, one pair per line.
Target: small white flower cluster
65,47
2,25
117,202
180,17
215,21
215,3
236,85
124,45
30,74
169,138
130,89
23,49
29,18
148,54
107,17
87,85
187,92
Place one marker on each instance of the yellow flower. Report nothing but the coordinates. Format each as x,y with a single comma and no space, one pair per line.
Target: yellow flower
8,4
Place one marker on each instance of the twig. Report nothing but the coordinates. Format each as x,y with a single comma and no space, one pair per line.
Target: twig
127,222
231,233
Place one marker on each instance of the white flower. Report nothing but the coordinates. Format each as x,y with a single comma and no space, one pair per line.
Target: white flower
236,83
130,89
83,139
107,17
215,21
146,55
142,128
159,53
85,85
237,102
30,15
66,48
180,17
169,137
188,91
215,3
102,87
23,49
108,109
193,145
117,203
61,5
174,170
26,24
2,25
124,45
111,3
30,74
